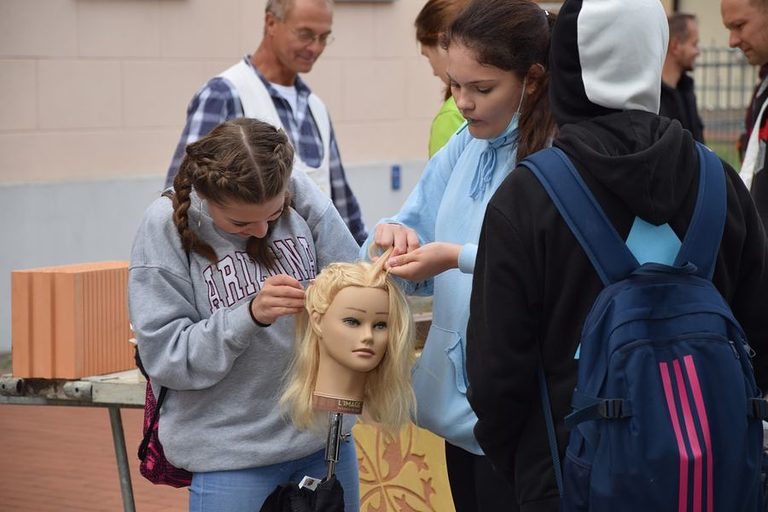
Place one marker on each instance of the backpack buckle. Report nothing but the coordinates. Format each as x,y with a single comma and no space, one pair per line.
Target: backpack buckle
610,408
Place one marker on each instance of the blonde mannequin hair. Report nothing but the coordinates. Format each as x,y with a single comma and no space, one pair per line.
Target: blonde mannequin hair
388,398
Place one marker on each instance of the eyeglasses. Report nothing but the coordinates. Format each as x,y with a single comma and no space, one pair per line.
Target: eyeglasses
307,37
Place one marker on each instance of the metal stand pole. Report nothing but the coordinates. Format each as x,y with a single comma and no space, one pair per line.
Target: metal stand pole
332,444
118,438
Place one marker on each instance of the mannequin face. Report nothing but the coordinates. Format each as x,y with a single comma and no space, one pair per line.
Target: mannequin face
353,331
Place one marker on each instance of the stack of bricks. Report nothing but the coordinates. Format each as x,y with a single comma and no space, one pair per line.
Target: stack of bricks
70,321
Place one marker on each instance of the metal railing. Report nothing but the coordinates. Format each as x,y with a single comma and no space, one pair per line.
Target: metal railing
724,83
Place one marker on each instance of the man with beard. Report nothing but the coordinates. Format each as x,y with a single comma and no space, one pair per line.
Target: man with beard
747,22
678,100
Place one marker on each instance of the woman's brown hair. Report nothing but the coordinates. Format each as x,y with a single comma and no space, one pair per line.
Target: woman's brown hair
513,35
433,20
243,160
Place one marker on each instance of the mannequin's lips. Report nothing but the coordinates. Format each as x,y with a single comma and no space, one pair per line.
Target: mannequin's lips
365,352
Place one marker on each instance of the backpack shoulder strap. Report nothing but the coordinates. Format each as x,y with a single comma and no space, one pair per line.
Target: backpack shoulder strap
604,247
606,250
150,427
702,238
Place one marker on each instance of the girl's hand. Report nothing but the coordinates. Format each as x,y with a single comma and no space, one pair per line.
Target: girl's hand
402,238
280,295
425,262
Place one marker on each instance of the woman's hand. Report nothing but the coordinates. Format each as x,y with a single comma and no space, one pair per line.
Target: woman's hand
280,295
425,262
402,238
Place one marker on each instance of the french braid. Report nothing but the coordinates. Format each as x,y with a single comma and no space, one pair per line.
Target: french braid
243,160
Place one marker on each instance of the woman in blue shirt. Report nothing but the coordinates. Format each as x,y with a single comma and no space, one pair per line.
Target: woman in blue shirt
497,71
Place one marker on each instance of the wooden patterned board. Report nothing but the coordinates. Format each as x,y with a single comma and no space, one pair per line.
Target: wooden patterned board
404,473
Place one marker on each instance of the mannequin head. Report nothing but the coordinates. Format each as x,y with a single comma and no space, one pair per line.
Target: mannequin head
353,337
354,342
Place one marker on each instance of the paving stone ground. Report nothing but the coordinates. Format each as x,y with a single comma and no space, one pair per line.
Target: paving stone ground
61,459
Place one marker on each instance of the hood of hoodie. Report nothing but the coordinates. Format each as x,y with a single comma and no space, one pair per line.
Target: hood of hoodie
606,56
605,62
648,161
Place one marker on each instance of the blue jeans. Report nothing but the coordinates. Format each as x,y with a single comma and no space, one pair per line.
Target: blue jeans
244,490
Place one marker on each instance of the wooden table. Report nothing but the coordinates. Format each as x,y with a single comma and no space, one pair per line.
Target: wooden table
113,391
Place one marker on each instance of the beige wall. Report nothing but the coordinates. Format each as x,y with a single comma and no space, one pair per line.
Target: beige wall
92,102
711,29
99,88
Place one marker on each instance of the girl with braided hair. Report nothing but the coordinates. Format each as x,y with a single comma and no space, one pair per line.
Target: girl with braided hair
216,275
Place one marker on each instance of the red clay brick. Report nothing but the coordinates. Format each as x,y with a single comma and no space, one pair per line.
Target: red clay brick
70,321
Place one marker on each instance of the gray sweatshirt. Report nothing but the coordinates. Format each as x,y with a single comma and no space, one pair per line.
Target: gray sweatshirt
196,336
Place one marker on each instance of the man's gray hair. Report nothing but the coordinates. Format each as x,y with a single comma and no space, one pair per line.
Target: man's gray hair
280,8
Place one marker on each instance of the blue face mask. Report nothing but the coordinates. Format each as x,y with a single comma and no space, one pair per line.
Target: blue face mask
487,162
511,128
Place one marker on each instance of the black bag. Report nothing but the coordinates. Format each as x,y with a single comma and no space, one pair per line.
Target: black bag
328,497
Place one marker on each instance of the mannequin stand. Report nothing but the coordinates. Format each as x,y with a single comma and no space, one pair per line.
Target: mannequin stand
332,443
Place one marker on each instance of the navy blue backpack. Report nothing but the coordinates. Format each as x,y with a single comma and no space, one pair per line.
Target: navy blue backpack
666,412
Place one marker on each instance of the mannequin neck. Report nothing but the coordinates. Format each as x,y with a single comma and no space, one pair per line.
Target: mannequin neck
336,404
335,380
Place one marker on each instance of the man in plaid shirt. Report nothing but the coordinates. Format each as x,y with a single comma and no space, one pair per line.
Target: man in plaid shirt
266,85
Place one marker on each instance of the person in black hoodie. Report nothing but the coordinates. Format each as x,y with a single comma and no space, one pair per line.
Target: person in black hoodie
533,284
